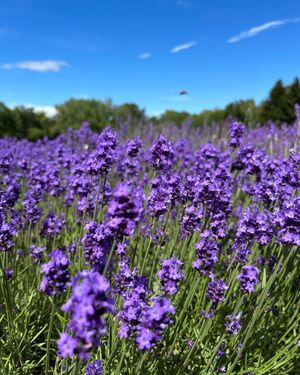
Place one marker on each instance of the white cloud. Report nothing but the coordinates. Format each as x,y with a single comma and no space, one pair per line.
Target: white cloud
37,66
258,29
182,47
145,55
49,110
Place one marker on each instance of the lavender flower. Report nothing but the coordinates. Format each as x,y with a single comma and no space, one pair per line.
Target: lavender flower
248,278
162,153
5,163
170,275
255,225
20,253
237,130
207,315
215,291
221,369
94,368
97,243
56,273
233,324
288,220
36,253
52,226
159,200
125,278
7,232
124,210
90,300
33,213
101,160
190,343
220,352
134,290
192,220
133,146
9,272
154,320
207,253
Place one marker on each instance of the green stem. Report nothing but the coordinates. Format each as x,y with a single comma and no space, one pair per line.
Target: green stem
52,314
97,198
109,258
259,308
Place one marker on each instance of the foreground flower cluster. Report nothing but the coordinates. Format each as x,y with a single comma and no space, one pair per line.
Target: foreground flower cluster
172,254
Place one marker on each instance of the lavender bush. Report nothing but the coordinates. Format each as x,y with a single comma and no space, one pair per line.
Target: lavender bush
163,251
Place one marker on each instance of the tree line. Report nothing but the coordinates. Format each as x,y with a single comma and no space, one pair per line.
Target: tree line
21,122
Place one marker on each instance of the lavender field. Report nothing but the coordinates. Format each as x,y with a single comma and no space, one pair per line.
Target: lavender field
153,250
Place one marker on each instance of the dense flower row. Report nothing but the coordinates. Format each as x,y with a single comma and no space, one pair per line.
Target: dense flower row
145,245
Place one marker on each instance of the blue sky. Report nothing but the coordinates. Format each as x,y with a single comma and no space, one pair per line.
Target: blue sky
146,51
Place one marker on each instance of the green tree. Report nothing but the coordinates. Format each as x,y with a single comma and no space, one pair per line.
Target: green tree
277,107
293,92
128,112
73,112
7,121
21,122
30,124
207,117
175,117
243,110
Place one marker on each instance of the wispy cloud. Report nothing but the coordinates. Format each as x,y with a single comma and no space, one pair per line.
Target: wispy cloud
37,66
258,29
145,55
182,47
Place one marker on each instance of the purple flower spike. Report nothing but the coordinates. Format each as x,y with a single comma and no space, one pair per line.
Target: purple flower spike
162,153
207,253
248,278
94,368
89,301
133,146
170,275
154,320
36,253
97,243
52,226
215,291
124,210
56,273
7,231
233,324
9,272
101,160
237,130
